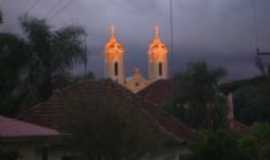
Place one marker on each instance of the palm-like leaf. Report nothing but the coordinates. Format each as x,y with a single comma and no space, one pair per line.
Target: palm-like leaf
53,52
197,93
68,47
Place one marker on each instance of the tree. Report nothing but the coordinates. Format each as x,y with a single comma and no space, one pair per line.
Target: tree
221,144
197,100
252,102
13,63
85,76
53,52
30,67
213,145
66,79
256,145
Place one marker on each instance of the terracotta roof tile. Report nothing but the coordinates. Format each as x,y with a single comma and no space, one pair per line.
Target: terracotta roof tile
52,112
159,92
238,127
170,123
12,128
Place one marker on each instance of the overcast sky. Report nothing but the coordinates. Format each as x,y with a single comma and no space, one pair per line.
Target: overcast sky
221,32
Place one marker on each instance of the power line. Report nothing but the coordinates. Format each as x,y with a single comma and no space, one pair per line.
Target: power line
61,9
171,25
53,8
256,36
33,6
258,58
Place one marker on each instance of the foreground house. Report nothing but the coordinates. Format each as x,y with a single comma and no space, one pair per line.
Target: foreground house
24,141
93,95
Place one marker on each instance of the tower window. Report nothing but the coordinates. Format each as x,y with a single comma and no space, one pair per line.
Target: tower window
160,69
116,69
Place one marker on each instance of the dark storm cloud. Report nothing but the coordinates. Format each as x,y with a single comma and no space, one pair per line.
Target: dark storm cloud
221,32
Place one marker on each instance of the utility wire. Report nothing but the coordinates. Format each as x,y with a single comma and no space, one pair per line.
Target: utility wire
256,36
53,8
33,6
171,25
61,9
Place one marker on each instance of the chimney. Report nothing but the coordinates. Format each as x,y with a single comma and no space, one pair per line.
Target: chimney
230,115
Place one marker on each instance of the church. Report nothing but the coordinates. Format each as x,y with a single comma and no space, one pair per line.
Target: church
115,63
46,125
157,87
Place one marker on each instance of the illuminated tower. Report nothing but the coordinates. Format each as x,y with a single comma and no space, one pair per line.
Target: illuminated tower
157,58
114,59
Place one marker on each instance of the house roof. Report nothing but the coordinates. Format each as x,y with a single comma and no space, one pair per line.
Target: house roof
168,122
12,128
242,128
158,92
52,112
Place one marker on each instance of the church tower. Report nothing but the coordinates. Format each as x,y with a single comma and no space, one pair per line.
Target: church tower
114,59
157,58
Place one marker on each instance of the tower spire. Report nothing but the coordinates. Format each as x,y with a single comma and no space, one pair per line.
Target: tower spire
157,31
112,30
114,58
158,58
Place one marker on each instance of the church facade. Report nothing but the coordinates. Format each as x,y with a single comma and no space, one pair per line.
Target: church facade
115,66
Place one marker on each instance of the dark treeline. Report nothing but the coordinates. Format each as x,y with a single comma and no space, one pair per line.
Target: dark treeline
200,102
32,67
197,99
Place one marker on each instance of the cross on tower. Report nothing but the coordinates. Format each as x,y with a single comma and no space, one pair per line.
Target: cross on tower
112,30
157,31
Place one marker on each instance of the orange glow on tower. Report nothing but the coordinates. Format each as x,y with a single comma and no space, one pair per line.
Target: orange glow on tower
157,58
114,53
114,58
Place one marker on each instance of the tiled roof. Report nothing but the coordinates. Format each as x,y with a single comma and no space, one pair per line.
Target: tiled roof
159,92
168,122
238,127
12,128
52,112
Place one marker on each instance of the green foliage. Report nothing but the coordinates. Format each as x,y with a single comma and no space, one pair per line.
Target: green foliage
213,145
31,68
256,145
252,103
13,63
52,53
85,76
197,100
248,147
198,82
223,145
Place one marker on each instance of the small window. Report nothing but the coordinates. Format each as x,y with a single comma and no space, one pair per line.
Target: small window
160,69
116,69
